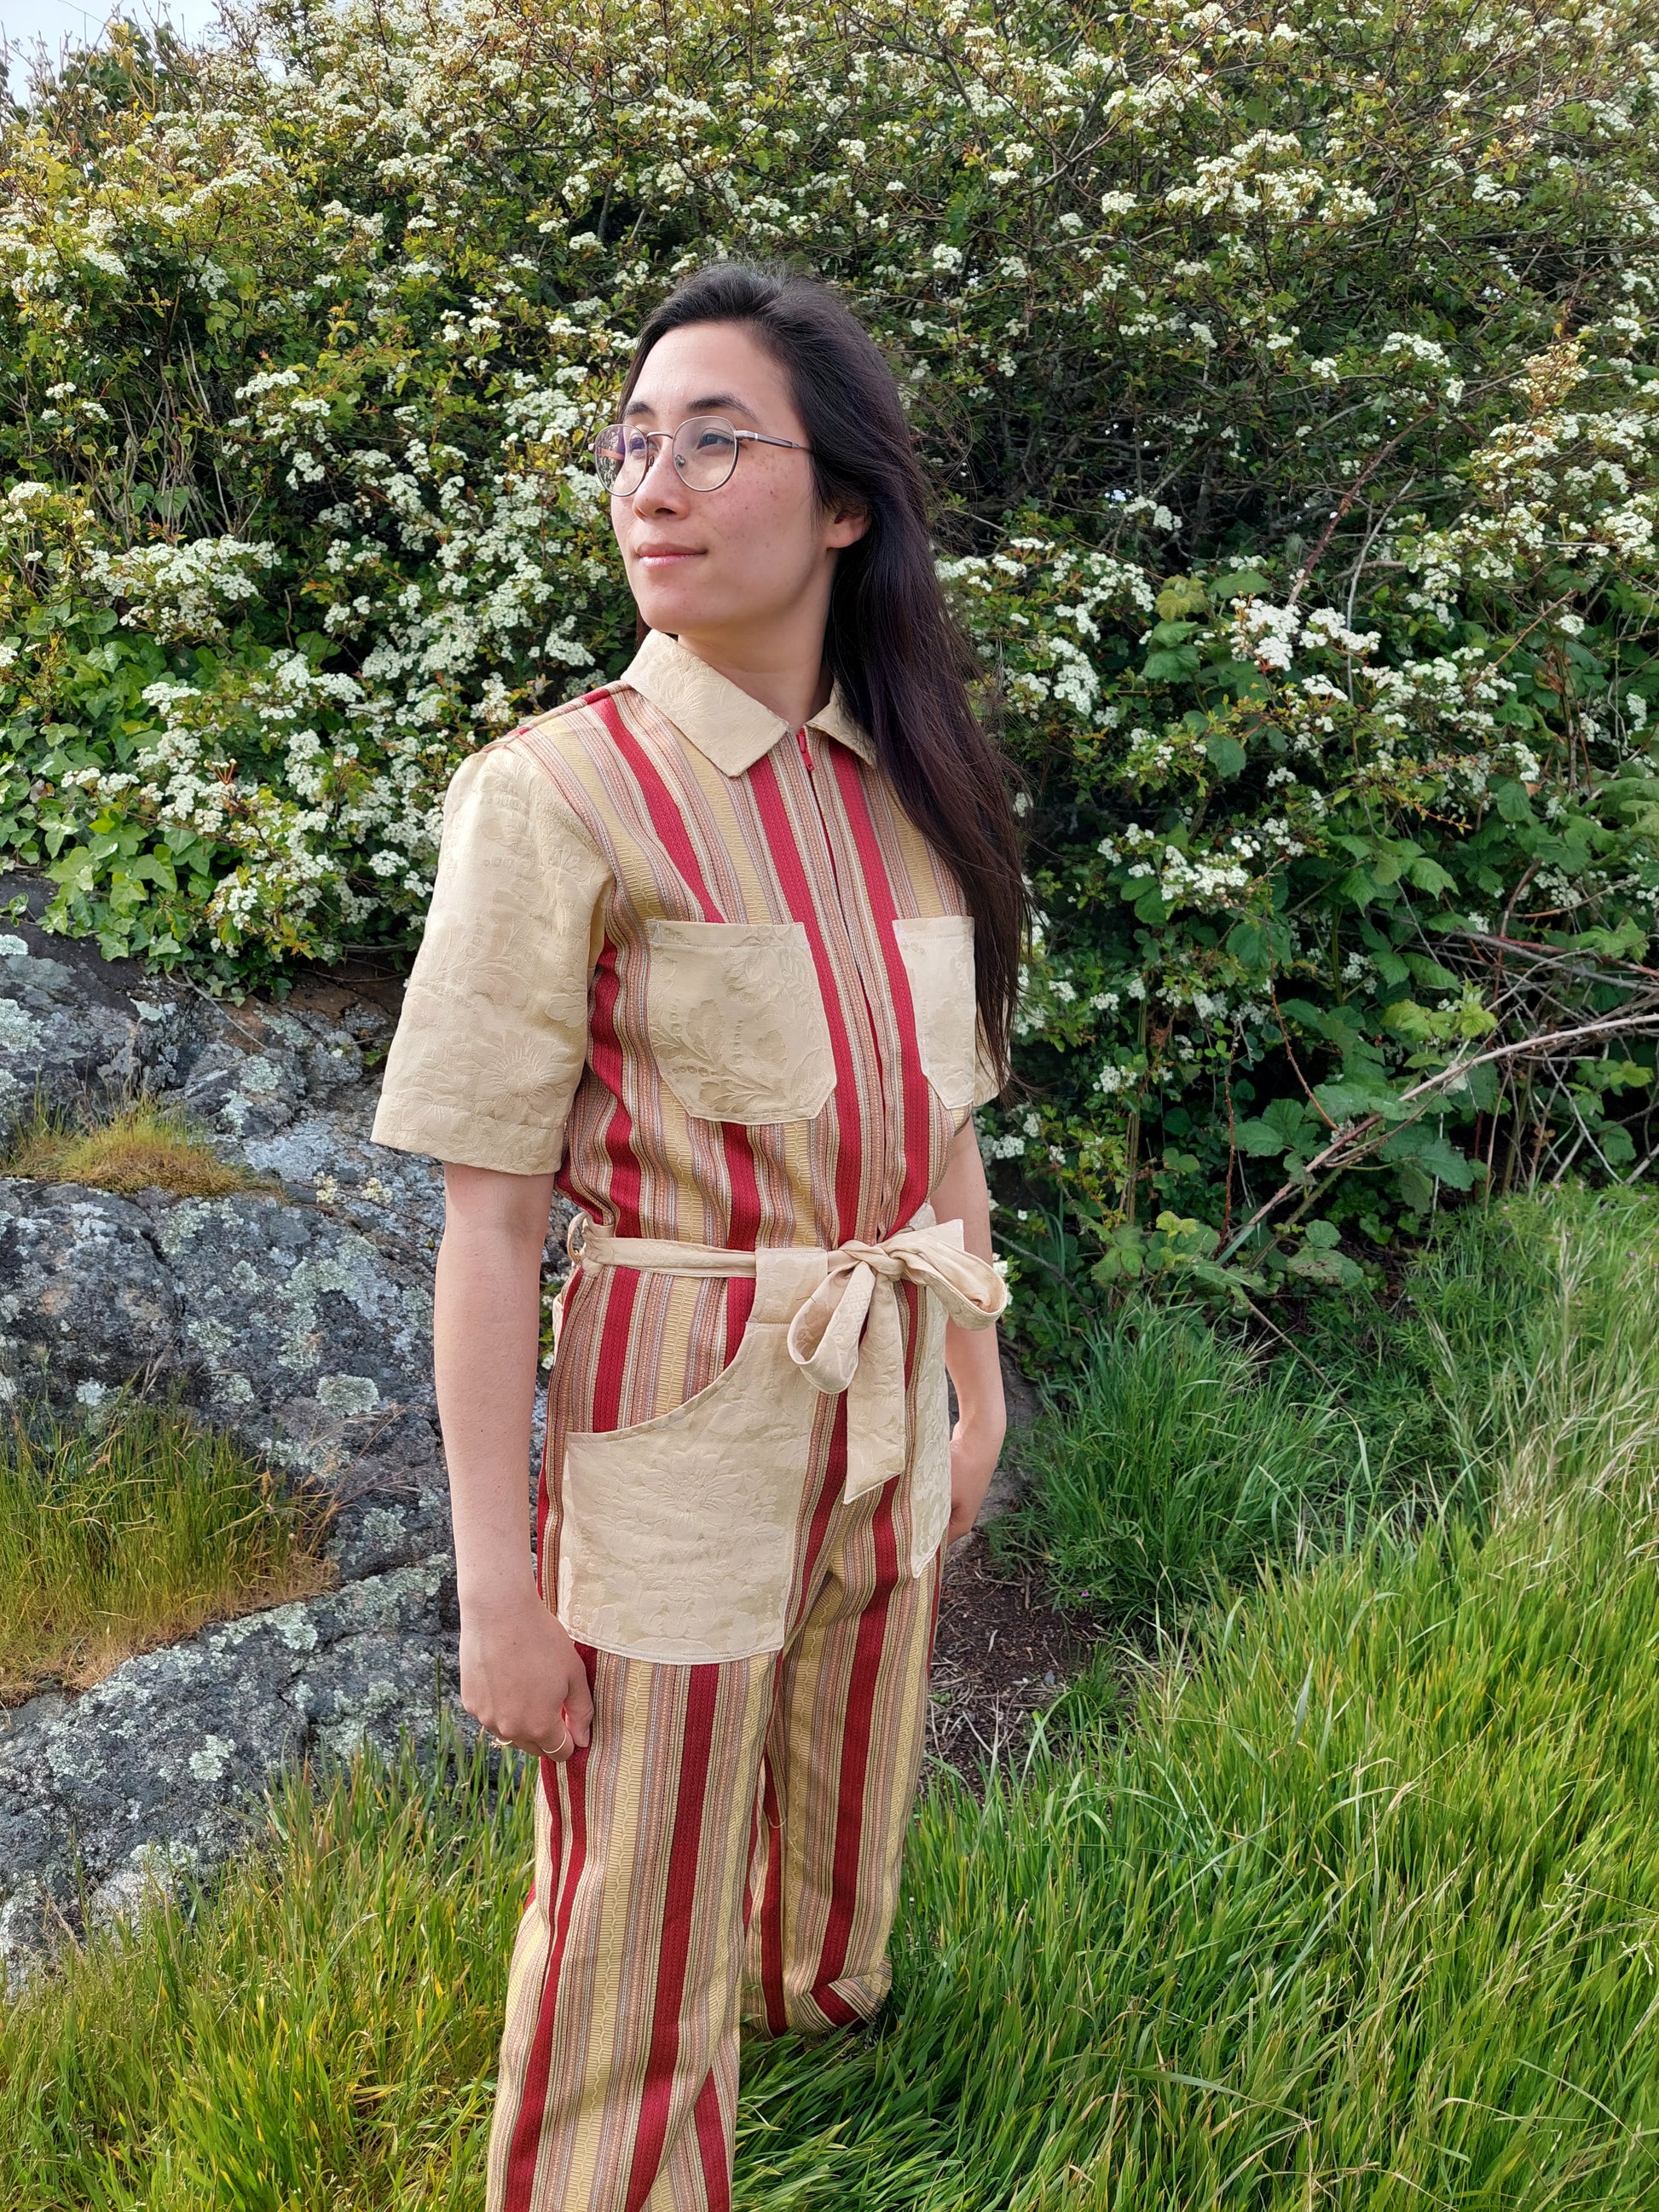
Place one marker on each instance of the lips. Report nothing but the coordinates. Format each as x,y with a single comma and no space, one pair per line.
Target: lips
666,556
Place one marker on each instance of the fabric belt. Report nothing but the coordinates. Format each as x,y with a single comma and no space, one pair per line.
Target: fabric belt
845,1334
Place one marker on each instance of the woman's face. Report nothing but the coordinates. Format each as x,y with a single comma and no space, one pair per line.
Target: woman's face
755,557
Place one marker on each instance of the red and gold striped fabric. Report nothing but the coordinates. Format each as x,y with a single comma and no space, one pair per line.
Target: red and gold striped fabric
728,1848
701,967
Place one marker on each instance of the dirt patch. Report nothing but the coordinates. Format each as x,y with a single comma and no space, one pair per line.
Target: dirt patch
1002,1654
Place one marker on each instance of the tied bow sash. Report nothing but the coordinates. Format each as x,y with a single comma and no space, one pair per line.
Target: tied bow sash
845,1334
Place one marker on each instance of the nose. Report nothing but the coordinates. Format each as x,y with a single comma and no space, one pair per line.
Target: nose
661,485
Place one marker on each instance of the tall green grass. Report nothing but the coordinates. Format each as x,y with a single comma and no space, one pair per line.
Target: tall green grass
320,2034
1364,1913
131,1531
1178,1464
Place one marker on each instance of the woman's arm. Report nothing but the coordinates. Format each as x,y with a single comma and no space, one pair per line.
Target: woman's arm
521,1676
970,1354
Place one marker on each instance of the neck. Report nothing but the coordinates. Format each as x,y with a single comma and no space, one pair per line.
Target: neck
783,667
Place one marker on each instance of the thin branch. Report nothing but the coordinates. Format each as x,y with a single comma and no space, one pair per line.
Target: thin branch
1357,1138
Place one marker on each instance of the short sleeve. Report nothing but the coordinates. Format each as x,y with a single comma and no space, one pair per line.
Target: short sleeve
493,1035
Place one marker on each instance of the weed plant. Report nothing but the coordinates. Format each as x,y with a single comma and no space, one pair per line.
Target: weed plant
129,1529
141,1146
1362,1913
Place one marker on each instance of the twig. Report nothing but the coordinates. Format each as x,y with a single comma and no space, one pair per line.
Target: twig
1362,1135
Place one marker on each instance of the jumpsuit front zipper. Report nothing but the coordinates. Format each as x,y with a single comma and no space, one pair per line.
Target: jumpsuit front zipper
885,1158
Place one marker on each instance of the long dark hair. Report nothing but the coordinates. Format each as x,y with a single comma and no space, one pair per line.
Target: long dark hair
899,660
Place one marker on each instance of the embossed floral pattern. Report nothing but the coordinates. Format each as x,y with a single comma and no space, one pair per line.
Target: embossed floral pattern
736,1020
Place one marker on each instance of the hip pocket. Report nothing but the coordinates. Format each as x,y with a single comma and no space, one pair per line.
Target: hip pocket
938,952
677,1535
736,1020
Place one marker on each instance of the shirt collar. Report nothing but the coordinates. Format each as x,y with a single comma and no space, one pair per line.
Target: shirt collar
723,722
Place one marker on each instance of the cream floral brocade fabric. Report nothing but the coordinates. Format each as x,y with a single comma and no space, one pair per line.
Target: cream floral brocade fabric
703,968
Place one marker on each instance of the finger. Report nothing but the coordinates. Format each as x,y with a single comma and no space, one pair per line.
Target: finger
578,1713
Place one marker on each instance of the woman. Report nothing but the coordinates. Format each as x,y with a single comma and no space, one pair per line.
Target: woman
726,951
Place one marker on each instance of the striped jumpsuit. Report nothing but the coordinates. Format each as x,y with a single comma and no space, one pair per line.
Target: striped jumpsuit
701,966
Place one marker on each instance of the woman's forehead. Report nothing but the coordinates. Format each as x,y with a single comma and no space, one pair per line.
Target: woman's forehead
707,368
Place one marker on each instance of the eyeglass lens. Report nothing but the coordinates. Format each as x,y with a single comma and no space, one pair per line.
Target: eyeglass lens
705,451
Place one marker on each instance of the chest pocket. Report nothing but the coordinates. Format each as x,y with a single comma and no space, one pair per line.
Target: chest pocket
736,1020
938,952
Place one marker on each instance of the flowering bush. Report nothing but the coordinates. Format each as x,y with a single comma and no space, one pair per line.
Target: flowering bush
1288,376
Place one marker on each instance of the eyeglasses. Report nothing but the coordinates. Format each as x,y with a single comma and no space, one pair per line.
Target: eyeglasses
705,450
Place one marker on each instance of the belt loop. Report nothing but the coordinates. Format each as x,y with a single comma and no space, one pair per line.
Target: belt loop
575,1236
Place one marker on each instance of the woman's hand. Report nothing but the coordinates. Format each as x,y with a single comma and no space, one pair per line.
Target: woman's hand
976,1447
522,1677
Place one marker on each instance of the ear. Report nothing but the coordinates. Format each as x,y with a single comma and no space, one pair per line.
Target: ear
847,527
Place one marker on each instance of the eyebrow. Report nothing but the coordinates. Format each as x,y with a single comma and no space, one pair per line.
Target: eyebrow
712,403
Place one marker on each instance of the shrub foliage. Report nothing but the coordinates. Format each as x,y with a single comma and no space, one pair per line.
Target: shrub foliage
1287,375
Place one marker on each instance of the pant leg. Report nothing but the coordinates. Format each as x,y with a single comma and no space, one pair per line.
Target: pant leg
843,1756
619,2079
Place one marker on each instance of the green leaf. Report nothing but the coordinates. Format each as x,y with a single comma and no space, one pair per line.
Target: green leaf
1429,876
1284,1126
1241,583
1415,1188
1182,595
1351,1099
1165,666
1227,756
1429,973
1330,1267
1407,1019
1431,1152
1260,1139
1246,944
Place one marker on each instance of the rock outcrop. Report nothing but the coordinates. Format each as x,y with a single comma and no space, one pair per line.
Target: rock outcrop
297,1317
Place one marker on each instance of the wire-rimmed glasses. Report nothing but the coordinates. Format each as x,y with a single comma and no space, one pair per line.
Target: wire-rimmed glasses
704,448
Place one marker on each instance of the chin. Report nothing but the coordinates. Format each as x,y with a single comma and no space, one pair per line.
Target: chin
662,607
